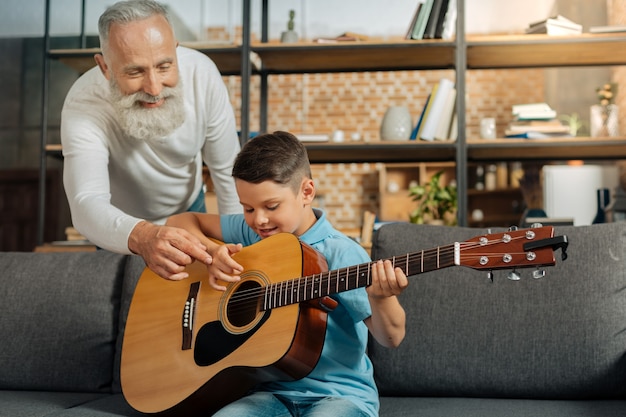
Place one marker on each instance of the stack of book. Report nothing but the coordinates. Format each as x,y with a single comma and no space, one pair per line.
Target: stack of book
535,121
433,19
437,120
555,25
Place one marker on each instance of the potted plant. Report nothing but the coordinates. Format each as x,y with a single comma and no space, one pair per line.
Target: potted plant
290,35
436,203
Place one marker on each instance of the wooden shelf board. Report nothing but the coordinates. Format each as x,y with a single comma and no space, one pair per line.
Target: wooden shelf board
408,151
504,220
477,150
226,57
525,51
473,192
506,51
546,149
308,57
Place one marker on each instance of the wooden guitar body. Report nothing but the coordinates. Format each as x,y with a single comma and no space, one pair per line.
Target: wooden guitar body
190,348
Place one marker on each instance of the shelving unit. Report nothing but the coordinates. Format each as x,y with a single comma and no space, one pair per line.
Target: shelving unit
462,54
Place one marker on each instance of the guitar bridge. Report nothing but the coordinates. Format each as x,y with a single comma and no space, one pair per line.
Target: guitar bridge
188,316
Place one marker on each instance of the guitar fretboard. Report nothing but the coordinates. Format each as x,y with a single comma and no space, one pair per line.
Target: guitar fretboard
320,285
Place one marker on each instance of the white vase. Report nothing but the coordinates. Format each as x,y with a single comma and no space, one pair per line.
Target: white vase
604,120
396,124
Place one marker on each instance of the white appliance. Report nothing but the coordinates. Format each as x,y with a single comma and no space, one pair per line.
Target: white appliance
571,190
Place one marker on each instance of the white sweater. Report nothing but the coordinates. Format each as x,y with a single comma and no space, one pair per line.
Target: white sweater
112,181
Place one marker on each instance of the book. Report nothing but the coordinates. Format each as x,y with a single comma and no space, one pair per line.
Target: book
555,25
433,18
449,25
454,128
445,5
443,127
557,20
344,37
438,102
544,126
422,20
537,135
607,29
533,111
429,106
409,31
553,31
536,115
419,120
537,129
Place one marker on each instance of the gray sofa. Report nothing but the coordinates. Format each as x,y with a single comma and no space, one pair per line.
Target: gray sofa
549,347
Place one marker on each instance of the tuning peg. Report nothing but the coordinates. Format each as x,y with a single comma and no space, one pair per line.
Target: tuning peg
536,225
513,228
490,275
513,276
539,273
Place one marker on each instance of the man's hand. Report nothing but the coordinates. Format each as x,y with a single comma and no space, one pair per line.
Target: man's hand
167,250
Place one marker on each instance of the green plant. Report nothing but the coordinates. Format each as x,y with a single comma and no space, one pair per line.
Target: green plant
574,122
291,23
434,202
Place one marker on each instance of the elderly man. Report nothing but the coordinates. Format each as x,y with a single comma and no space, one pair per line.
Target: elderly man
136,130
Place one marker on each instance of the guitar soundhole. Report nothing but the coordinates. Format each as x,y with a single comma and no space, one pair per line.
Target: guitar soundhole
244,304
243,317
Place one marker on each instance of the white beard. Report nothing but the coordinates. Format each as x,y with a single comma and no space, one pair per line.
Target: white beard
149,123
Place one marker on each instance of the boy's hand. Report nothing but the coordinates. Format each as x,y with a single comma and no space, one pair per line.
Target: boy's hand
224,268
386,281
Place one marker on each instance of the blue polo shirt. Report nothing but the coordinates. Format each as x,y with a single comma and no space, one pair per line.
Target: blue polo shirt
344,370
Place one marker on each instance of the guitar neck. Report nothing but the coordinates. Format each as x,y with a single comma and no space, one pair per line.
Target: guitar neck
320,285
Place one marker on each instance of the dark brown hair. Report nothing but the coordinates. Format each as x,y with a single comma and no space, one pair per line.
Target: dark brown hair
278,157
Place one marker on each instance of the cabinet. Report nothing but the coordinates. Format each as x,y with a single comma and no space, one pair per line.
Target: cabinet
394,182
462,55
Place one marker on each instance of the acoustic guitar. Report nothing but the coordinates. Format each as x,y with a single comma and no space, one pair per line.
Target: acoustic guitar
189,349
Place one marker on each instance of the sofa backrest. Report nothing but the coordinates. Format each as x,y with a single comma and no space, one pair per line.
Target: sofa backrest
133,270
59,320
559,337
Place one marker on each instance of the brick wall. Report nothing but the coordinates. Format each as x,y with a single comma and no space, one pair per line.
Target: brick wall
356,102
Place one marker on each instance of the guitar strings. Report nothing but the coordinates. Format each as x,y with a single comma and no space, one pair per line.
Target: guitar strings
309,287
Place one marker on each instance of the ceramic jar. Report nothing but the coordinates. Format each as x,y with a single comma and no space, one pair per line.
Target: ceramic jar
396,124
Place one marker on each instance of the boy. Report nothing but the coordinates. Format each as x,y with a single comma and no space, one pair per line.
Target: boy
273,180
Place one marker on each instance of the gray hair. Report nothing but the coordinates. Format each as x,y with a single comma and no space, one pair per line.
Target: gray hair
126,12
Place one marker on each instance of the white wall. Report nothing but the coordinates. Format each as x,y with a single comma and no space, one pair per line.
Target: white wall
23,18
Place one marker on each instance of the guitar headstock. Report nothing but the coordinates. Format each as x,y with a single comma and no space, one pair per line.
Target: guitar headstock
522,248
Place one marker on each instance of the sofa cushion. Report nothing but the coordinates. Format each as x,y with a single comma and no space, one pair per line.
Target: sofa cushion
43,403
559,337
490,407
58,320
109,406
